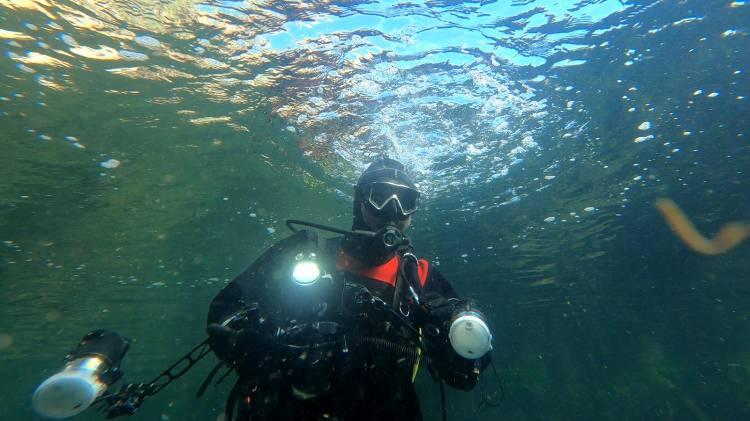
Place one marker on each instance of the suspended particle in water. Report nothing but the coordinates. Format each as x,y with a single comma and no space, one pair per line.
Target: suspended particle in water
24,68
52,316
70,41
5,341
110,164
132,55
149,42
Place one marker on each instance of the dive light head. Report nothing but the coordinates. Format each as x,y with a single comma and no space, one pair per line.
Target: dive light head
89,369
306,271
469,334
72,390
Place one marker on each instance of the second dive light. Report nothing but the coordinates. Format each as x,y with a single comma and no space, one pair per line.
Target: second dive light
469,334
89,369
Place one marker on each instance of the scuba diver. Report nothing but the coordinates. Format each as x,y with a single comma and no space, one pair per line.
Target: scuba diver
316,328
347,347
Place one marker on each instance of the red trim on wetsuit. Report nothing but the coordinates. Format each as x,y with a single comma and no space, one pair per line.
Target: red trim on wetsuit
385,273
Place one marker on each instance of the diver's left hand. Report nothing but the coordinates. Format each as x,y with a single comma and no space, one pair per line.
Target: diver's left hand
228,343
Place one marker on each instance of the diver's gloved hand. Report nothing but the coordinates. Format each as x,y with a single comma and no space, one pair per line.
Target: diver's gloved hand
229,344
231,339
223,340
436,309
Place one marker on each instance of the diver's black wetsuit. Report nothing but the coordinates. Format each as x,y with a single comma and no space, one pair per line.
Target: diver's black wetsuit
335,350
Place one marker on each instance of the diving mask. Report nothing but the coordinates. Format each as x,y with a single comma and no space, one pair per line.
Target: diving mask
381,194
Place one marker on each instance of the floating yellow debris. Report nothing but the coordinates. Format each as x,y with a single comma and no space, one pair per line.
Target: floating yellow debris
545,281
38,5
165,100
14,35
118,92
37,58
730,235
209,120
50,83
101,53
151,72
238,127
263,81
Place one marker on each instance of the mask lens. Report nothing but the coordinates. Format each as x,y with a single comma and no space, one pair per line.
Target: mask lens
380,194
409,200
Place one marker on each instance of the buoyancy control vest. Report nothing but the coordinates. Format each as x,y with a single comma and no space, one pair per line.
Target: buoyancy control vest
329,326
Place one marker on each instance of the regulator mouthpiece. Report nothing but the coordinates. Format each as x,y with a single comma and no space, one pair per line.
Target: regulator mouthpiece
469,335
89,369
392,237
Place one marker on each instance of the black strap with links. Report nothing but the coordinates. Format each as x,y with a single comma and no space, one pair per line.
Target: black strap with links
131,395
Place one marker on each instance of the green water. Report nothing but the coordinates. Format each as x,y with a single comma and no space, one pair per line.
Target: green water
538,199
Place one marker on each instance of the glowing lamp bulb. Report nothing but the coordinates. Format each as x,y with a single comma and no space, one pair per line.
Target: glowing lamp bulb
306,273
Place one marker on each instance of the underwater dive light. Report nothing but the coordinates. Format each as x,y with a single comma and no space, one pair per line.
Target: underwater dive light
306,271
89,369
469,334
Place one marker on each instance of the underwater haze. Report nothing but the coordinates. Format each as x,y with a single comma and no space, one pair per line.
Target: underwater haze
151,150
